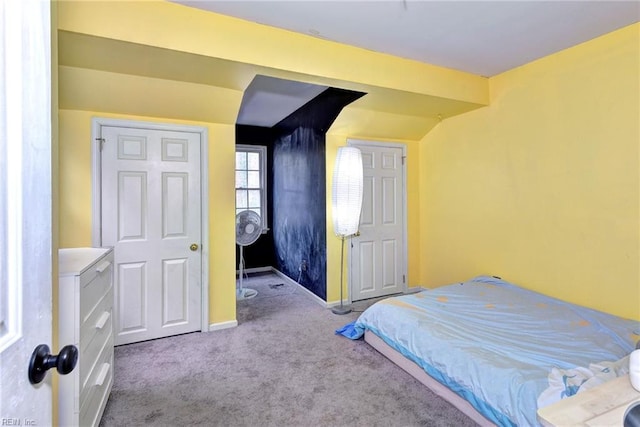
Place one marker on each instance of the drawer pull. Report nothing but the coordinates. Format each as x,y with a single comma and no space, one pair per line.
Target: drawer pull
103,266
103,320
103,374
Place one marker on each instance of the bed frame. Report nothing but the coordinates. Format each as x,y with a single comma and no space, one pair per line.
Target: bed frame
418,373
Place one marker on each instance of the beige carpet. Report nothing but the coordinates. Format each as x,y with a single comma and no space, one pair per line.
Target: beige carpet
282,366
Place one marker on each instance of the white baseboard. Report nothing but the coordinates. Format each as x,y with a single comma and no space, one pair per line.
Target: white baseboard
408,291
223,325
289,280
336,303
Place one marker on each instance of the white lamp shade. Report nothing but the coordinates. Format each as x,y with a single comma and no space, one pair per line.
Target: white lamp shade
346,197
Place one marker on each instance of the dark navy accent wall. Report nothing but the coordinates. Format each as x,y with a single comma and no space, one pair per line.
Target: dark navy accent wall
299,208
299,189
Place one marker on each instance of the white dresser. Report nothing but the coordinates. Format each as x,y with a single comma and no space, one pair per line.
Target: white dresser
85,309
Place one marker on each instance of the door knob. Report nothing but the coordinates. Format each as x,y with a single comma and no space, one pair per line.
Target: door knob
41,361
193,247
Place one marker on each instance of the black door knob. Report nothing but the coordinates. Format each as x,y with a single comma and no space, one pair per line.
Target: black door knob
41,361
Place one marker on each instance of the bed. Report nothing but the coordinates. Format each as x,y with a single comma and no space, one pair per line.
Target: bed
497,351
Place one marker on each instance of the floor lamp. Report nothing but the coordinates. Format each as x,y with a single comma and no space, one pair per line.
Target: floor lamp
346,202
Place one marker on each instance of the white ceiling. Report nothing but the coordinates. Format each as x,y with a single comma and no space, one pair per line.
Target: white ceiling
269,100
480,37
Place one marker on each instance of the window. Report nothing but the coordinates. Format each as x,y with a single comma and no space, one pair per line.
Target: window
251,180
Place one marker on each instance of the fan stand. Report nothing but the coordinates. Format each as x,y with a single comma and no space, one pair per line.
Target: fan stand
241,292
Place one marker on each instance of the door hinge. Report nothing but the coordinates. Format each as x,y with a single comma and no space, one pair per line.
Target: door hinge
403,157
101,141
403,279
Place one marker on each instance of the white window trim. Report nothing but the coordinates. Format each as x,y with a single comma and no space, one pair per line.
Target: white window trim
262,150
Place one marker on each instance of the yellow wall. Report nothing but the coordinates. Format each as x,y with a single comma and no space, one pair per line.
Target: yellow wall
93,90
75,198
542,187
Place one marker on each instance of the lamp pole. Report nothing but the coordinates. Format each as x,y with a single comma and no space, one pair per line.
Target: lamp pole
341,309
346,201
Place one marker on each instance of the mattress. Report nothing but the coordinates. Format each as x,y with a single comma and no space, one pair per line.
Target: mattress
501,347
418,373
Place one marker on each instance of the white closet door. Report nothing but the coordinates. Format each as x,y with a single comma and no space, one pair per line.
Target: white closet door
151,216
378,254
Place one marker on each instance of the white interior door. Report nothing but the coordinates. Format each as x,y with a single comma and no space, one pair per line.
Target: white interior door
378,262
26,244
151,216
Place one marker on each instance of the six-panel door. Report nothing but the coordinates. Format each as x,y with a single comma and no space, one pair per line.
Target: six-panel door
151,216
377,254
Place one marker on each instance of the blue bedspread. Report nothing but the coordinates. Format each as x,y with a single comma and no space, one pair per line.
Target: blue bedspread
495,344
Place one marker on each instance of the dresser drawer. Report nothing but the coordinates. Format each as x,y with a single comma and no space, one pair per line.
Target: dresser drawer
93,330
94,395
94,284
89,355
